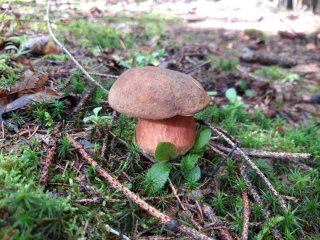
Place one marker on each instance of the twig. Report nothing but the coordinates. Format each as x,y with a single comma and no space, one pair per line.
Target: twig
252,165
210,214
174,192
267,154
196,67
222,162
50,156
106,138
34,132
170,223
104,75
255,195
84,98
110,229
246,216
67,52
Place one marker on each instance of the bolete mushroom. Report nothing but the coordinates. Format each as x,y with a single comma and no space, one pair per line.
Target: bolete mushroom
164,102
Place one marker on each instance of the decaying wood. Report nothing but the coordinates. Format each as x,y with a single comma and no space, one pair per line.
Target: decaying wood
268,59
170,223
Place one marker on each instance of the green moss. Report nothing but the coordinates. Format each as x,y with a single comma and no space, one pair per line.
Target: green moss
56,57
277,73
90,35
8,76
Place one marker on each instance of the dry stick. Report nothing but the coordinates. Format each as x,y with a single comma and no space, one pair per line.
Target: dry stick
106,138
170,223
210,214
50,156
252,165
222,162
67,52
174,191
246,216
110,229
104,75
197,67
255,195
268,154
83,100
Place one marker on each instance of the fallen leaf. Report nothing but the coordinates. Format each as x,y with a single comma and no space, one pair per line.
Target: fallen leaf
27,99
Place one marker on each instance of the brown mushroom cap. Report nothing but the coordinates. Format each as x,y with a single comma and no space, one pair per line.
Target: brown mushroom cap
157,93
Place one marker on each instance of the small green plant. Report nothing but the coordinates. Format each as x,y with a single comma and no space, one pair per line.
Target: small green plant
228,65
58,108
139,59
190,170
49,123
268,225
77,82
56,57
8,76
64,149
277,74
96,120
17,118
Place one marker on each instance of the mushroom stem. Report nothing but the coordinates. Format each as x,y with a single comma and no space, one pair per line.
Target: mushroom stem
179,130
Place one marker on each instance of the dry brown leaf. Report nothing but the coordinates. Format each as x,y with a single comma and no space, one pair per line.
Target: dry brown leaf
42,46
30,80
27,99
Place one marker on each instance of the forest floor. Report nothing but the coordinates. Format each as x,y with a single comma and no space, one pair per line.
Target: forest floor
265,88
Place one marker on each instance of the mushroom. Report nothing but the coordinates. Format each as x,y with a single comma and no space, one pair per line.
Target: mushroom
164,102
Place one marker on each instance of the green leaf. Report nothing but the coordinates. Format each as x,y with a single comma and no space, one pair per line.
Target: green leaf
192,175
190,169
268,225
231,95
157,177
202,139
189,161
97,110
166,151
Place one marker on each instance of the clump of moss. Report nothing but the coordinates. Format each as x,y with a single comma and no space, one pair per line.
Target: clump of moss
255,34
90,34
277,73
8,76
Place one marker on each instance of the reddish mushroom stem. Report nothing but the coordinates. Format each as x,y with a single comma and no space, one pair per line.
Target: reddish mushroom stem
179,130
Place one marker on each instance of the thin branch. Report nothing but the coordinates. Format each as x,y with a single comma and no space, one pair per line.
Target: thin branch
246,216
222,162
210,214
267,154
67,52
257,198
170,223
110,229
50,156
